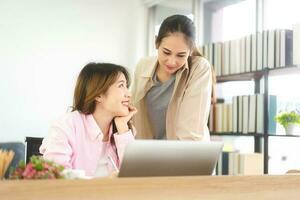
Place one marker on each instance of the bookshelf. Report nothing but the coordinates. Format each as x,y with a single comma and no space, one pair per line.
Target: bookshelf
261,141
265,52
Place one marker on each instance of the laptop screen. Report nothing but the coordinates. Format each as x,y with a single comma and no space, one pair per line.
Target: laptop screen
169,158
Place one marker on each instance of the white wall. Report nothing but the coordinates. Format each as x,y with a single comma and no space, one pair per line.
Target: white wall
43,46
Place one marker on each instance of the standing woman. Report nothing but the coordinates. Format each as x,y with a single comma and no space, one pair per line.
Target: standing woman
98,128
173,90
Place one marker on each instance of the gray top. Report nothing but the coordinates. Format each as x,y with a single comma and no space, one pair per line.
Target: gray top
157,100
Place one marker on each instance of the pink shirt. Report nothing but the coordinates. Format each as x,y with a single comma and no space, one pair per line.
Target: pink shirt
75,141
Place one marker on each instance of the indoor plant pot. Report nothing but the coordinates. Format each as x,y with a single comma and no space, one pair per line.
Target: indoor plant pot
292,129
290,121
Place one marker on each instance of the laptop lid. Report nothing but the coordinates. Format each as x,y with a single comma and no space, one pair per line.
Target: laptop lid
169,158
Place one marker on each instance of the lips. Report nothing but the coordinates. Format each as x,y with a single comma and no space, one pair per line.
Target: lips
170,67
125,103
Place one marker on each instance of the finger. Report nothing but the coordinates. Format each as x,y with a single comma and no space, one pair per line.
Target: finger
131,113
131,107
134,111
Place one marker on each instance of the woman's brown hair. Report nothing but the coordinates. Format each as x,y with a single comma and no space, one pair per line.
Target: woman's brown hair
179,24
94,80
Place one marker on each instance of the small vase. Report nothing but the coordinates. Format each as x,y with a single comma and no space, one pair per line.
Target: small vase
292,129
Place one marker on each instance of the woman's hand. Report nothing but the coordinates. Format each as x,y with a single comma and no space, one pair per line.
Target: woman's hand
122,122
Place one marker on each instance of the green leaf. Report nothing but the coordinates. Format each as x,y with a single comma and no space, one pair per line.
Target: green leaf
286,118
22,164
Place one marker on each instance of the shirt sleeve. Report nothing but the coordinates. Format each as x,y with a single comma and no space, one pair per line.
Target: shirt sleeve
122,140
195,106
56,146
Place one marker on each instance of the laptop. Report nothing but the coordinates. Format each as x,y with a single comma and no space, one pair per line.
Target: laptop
169,158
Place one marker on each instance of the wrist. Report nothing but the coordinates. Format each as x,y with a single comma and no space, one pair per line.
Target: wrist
122,128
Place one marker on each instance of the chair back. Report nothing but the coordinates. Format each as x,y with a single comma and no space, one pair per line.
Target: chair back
32,147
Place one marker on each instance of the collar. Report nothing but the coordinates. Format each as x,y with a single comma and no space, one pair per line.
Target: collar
93,129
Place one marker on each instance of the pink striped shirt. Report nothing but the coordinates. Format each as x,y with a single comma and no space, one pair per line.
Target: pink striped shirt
75,141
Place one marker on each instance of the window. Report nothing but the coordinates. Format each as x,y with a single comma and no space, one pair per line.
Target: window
221,22
281,14
161,11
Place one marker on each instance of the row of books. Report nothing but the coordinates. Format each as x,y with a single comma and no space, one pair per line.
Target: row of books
267,49
235,163
244,115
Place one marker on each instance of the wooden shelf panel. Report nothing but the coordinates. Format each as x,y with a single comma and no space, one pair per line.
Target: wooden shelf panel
250,134
284,135
241,77
236,134
294,69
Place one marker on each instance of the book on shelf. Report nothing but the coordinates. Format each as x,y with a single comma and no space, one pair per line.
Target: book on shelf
260,113
252,114
240,114
253,56
225,63
235,114
259,51
277,47
265,49
234,56
215,59
236,163
244,115
229,117
286,48
272,111
224,118
225,163
242,64
296,44
222,114
251,164
248,53
233,163
283,47
271,49
254,52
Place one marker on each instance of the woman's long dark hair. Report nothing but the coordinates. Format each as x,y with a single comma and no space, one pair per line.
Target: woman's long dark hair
179,24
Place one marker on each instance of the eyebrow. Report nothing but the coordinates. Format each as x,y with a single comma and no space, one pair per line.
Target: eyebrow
165,49
121,81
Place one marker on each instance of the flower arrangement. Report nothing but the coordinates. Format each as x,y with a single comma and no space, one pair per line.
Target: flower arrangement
287,118
37,168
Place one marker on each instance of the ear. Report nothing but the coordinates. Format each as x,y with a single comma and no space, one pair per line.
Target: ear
98,99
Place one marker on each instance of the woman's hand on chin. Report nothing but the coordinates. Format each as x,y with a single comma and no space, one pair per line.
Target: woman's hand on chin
122,122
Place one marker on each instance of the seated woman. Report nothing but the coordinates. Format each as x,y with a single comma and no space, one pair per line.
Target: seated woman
98,127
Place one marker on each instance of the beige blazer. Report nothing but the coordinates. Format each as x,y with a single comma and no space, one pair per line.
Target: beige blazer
188,110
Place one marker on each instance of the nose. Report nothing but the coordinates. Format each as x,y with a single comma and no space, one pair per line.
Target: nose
171,61
128,93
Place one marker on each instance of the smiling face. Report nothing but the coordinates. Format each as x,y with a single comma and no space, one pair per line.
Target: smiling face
173,52
116,100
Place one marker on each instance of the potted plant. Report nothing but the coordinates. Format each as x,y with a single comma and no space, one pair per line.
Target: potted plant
289,120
